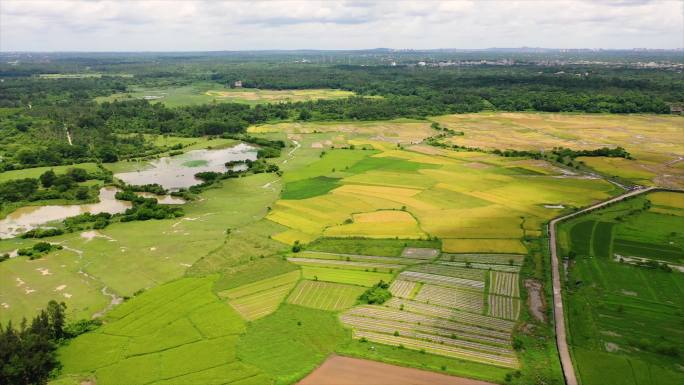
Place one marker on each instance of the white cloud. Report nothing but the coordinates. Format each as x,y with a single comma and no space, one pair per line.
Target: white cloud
191,25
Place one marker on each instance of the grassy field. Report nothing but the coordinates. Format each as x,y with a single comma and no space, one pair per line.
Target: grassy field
35,172
625,320
127,257
206,92
656,142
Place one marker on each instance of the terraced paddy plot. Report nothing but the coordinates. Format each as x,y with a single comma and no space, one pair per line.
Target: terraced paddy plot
442,280
452,314
378,224
359,258
483,266
483,245
353,277
261,298
438,348
441,326
325,295
345,264
450,271
503,307
499,259
150,338
402,289
504,284
451,297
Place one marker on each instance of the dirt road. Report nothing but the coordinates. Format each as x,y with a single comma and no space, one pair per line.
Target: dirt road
338,370
558,313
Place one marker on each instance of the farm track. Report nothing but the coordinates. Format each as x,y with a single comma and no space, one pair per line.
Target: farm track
335,262
377,258
558,311
484,266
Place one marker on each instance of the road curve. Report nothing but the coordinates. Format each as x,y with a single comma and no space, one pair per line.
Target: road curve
558,313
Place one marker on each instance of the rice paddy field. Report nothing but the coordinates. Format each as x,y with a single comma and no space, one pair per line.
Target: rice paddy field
207,92
656,142
624,316
261,279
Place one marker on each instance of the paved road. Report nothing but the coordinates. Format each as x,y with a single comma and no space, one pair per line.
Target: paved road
558,314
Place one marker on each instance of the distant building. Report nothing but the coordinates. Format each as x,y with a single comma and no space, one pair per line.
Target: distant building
237,84
422,63
677,109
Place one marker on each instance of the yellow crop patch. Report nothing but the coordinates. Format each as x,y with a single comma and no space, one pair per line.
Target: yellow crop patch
670,199
379,224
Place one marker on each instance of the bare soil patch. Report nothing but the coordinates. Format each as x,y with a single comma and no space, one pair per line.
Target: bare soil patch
535,300
338,370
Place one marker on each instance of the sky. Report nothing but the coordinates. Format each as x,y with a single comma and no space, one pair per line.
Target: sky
206,25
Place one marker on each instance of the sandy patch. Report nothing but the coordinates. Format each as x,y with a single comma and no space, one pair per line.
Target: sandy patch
67,295
28,290
317,145
185,264
554,206
153,248
338,370
60,287
630,293
44,271
5,305
20,282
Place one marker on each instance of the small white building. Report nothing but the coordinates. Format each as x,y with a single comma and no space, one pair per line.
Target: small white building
237,84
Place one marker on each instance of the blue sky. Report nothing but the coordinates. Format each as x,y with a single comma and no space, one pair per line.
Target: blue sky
197,25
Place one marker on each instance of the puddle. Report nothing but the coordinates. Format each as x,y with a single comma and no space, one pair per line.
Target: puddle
174,173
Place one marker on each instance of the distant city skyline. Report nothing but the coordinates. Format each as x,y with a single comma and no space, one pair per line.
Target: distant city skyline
204,25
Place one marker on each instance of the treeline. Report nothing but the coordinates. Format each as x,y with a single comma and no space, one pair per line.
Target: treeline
50,186
28,354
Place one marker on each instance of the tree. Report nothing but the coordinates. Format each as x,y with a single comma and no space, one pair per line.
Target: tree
47,179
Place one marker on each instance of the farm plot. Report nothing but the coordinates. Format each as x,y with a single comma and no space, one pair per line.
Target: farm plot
451,297
452,314
258,299
441,280
345,264
354,277
504,284
407,330
484,266
150,338
440,325
402,289
509,361
497,259
450,271
419,252
325,295
503,307
359,258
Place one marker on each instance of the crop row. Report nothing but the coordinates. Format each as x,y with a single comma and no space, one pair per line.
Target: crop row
485,266
504,307
451,297
451,314
262,303
331,262
441,280
383,313
497,259
360,258
379,327
504,284
403,289
451,271
439,349
427,332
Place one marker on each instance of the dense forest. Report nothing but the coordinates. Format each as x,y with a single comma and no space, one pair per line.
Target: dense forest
37,112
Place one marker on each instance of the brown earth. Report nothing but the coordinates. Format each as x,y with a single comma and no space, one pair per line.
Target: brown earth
338,370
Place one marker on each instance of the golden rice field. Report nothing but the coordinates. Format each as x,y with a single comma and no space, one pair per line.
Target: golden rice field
655,141
473,201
